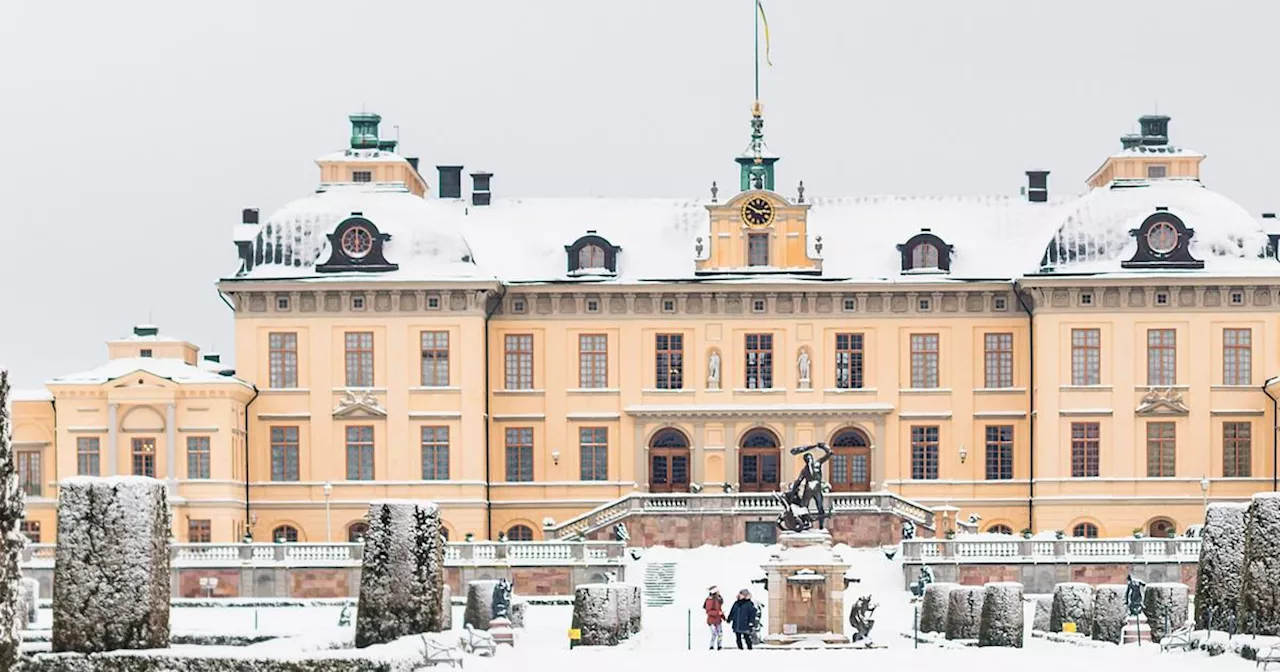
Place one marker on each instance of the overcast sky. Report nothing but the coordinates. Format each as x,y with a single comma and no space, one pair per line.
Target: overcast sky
136,131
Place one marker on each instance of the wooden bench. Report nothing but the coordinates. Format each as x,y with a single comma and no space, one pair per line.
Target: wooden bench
1178,639
478,642
436,653
1266,656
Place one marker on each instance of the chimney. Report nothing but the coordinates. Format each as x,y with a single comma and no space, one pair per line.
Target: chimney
1268,215
450,181
1037,186
213,357
413,162
146,330
249,216
480,194
1130,141
1155,129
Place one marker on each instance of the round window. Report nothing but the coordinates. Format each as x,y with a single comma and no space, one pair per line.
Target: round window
356,242
1162,237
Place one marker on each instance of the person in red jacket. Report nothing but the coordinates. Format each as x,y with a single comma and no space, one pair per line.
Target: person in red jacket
714,606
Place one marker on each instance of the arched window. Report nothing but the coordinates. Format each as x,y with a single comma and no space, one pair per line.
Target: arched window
759,461
924,255
669,461
1161,528
999,528
285,534
356,531
444,532
591,256
850,466
519,533
1085,531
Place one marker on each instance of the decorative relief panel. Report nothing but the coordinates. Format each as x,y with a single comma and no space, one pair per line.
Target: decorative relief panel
307,303
950,303
1262,298
332,302
824,304
1111,298
1137,298
1187,297
382,301
899,303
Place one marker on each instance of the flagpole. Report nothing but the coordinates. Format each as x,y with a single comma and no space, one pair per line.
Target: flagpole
755,14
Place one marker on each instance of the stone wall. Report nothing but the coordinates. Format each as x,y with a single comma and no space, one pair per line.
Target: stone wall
860,529
1041,577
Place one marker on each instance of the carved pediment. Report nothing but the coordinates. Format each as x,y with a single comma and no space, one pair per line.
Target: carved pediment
1166,401
362,405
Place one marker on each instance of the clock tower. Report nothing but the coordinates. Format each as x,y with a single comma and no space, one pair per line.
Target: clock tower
756,162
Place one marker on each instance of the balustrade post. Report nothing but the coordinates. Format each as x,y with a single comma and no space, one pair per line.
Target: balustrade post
1059,549
357,552
278,552
948,547
1135,548
578,551
1026,548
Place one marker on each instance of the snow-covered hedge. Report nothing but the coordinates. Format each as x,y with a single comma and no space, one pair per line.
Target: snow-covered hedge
1259,600
1165,605
479,609
602,612
446,608
1044,607
964,612
1002,615
933,609
1110,612
11,540
402,577
1072,603
111,572
1221,564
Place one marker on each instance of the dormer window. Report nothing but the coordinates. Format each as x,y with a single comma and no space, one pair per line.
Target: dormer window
145,352
361,176
1164,241
592,255
1157,170
357,245
925,253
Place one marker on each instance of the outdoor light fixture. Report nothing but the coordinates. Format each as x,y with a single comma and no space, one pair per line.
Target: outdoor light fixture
555,456
964,454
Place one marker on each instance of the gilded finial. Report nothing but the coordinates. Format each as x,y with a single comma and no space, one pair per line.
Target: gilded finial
714,190
800,198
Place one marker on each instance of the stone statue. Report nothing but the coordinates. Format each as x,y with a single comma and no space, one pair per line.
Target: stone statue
807,488
1133,595
502,599
803,364
908,530
926,578
862,617
713,370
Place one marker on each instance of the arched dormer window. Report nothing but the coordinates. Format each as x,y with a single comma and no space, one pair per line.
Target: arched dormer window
925,253
1164,241
592,255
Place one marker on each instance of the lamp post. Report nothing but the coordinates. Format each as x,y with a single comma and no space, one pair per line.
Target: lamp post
1204,490
328,520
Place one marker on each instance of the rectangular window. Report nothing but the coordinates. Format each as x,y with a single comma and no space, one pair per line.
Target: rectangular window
197,457
1085,438
1157,170
999,360
199,531
924,453
593,361
31,530
144,457
359,358
435,453
924,361
1237,356
757,249
284,453
1162,357
519,361
29,472
1237,449
435,359
849,362
759,361
361,176
669,361
593,447
283,354
88,456
1086,357
1161,449
519,454
999,452
360,453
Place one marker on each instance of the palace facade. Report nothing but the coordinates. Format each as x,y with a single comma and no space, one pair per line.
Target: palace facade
1093,363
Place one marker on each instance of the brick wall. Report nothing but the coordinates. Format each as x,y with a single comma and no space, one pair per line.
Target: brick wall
321,583
228,582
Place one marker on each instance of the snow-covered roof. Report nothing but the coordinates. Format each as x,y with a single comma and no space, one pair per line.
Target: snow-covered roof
522,240
30,395
173,369
1155,151
358,155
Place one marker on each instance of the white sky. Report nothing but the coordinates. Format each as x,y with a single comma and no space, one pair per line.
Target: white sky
138,130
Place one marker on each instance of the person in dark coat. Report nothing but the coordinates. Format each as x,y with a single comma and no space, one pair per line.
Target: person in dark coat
742,617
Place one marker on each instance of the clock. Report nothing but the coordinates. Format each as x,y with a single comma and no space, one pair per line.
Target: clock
757,212
357,242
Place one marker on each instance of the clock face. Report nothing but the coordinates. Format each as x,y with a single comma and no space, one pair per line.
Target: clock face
1162,237
356,242
757,212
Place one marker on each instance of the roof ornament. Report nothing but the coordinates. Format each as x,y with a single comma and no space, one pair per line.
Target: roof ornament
800,190
714,190
817,245
697,246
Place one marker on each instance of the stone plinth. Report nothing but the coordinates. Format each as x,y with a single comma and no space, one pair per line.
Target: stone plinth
806,591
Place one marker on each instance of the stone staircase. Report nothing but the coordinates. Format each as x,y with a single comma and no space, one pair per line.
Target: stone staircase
659,584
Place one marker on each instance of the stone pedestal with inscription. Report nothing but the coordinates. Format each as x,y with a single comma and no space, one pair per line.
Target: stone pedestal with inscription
806,584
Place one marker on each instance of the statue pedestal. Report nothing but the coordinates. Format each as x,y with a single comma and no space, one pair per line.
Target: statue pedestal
806,591
805,384
500,630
